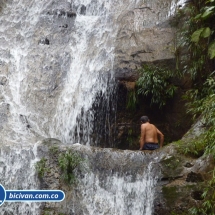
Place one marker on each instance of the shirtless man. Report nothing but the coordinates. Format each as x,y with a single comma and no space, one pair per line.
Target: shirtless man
149,135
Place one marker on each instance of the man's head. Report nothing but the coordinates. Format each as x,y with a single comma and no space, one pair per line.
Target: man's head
144,119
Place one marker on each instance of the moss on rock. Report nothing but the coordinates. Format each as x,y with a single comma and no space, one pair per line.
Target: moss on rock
171,167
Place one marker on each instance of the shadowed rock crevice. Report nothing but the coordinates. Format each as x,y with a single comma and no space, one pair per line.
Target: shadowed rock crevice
61,12
194,177
197,195
171,119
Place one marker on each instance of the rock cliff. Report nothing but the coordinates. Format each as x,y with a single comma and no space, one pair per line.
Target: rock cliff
144,35
175,182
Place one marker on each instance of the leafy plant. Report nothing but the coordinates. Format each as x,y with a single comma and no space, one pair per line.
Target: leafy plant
195,39
192,147
206,15
41,167
196,45
156,83
69,163
131,100
54,149
202,102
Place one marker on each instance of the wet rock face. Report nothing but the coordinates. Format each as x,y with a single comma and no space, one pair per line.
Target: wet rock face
144,35
17,173
179,186
4,108
112,181
182,182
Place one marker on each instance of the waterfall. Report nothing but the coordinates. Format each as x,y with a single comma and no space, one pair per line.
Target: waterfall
121,195
17,173
57,63
175,5
91,73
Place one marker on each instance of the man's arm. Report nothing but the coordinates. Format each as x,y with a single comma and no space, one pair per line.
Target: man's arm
142,137
161,138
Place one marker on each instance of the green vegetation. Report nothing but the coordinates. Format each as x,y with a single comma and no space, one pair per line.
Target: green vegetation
204,34
131,100
196,40
195,55
54,150
41,167
69,163
192,147
46,213
156,82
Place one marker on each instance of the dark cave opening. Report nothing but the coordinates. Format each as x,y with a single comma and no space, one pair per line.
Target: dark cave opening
172,119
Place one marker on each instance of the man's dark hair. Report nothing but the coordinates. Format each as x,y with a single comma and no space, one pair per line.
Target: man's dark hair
144,119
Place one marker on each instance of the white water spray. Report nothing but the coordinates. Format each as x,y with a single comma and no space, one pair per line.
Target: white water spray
121,195
17,167
90,70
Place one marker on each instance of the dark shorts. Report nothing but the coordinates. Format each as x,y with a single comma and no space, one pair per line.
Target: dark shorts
150,146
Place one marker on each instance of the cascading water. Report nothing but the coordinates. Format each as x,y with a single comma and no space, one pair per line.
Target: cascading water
57,66
91,73
16,173
121,195
57,76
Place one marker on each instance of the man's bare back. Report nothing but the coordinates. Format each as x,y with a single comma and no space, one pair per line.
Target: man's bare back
150,135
